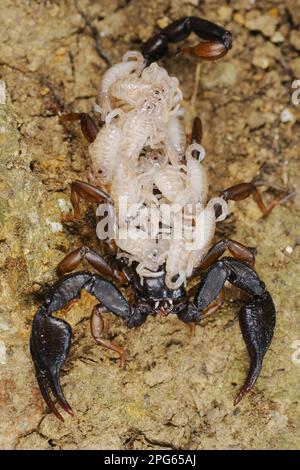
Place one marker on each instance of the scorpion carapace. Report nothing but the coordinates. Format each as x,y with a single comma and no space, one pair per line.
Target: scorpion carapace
140,154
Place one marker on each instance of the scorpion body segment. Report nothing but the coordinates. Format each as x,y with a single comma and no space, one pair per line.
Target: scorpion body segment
175,140
105,151
217,40
141,156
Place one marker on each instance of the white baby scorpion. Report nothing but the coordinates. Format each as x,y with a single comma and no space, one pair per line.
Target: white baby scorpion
140,157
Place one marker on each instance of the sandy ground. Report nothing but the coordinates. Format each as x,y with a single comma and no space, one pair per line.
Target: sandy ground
177,391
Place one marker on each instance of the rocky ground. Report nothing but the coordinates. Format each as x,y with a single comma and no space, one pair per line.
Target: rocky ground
177,391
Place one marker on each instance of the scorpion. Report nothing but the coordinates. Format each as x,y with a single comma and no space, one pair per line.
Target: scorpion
140,153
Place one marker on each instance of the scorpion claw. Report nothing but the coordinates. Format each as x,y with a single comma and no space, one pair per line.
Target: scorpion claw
50,343
257,317
51,337
257,323
44,388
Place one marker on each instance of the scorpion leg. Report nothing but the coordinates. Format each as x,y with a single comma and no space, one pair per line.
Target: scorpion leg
213,307
88,126
73,259
257,316
97,327
241,191
51,337
196,136
197,131
210,310
217,40
236,249
89,193
111,248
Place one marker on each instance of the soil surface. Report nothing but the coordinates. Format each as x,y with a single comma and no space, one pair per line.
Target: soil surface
177,391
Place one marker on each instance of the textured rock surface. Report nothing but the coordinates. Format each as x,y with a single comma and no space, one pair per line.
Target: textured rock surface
177,391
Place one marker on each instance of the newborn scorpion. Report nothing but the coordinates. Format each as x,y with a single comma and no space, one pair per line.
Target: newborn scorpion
151,167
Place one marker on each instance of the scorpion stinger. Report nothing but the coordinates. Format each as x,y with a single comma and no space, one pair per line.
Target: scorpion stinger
217,40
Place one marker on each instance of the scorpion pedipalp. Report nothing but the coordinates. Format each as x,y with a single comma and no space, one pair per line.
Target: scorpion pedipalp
257,317
51,337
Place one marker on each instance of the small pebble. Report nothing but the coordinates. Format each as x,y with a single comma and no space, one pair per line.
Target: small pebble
262,55
274,12
238,18
54,226
4,326
145,33
61,51
44,91
192,2
63,205
295,66
286,116
261,62
2,92
163,22
256,120
295,39
289,249
2,352
224,74
293,7
277,38
225,13
265,24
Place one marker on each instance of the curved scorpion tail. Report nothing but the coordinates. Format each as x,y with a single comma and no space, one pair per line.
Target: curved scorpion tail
257,323
51,337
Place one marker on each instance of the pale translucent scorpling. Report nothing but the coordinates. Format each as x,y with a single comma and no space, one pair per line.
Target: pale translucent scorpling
140,156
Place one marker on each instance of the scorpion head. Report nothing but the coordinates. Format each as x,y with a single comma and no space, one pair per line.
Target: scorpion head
154,291
155,101
163,307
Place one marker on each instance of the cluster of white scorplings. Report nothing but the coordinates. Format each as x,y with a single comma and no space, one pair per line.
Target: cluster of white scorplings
140,157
